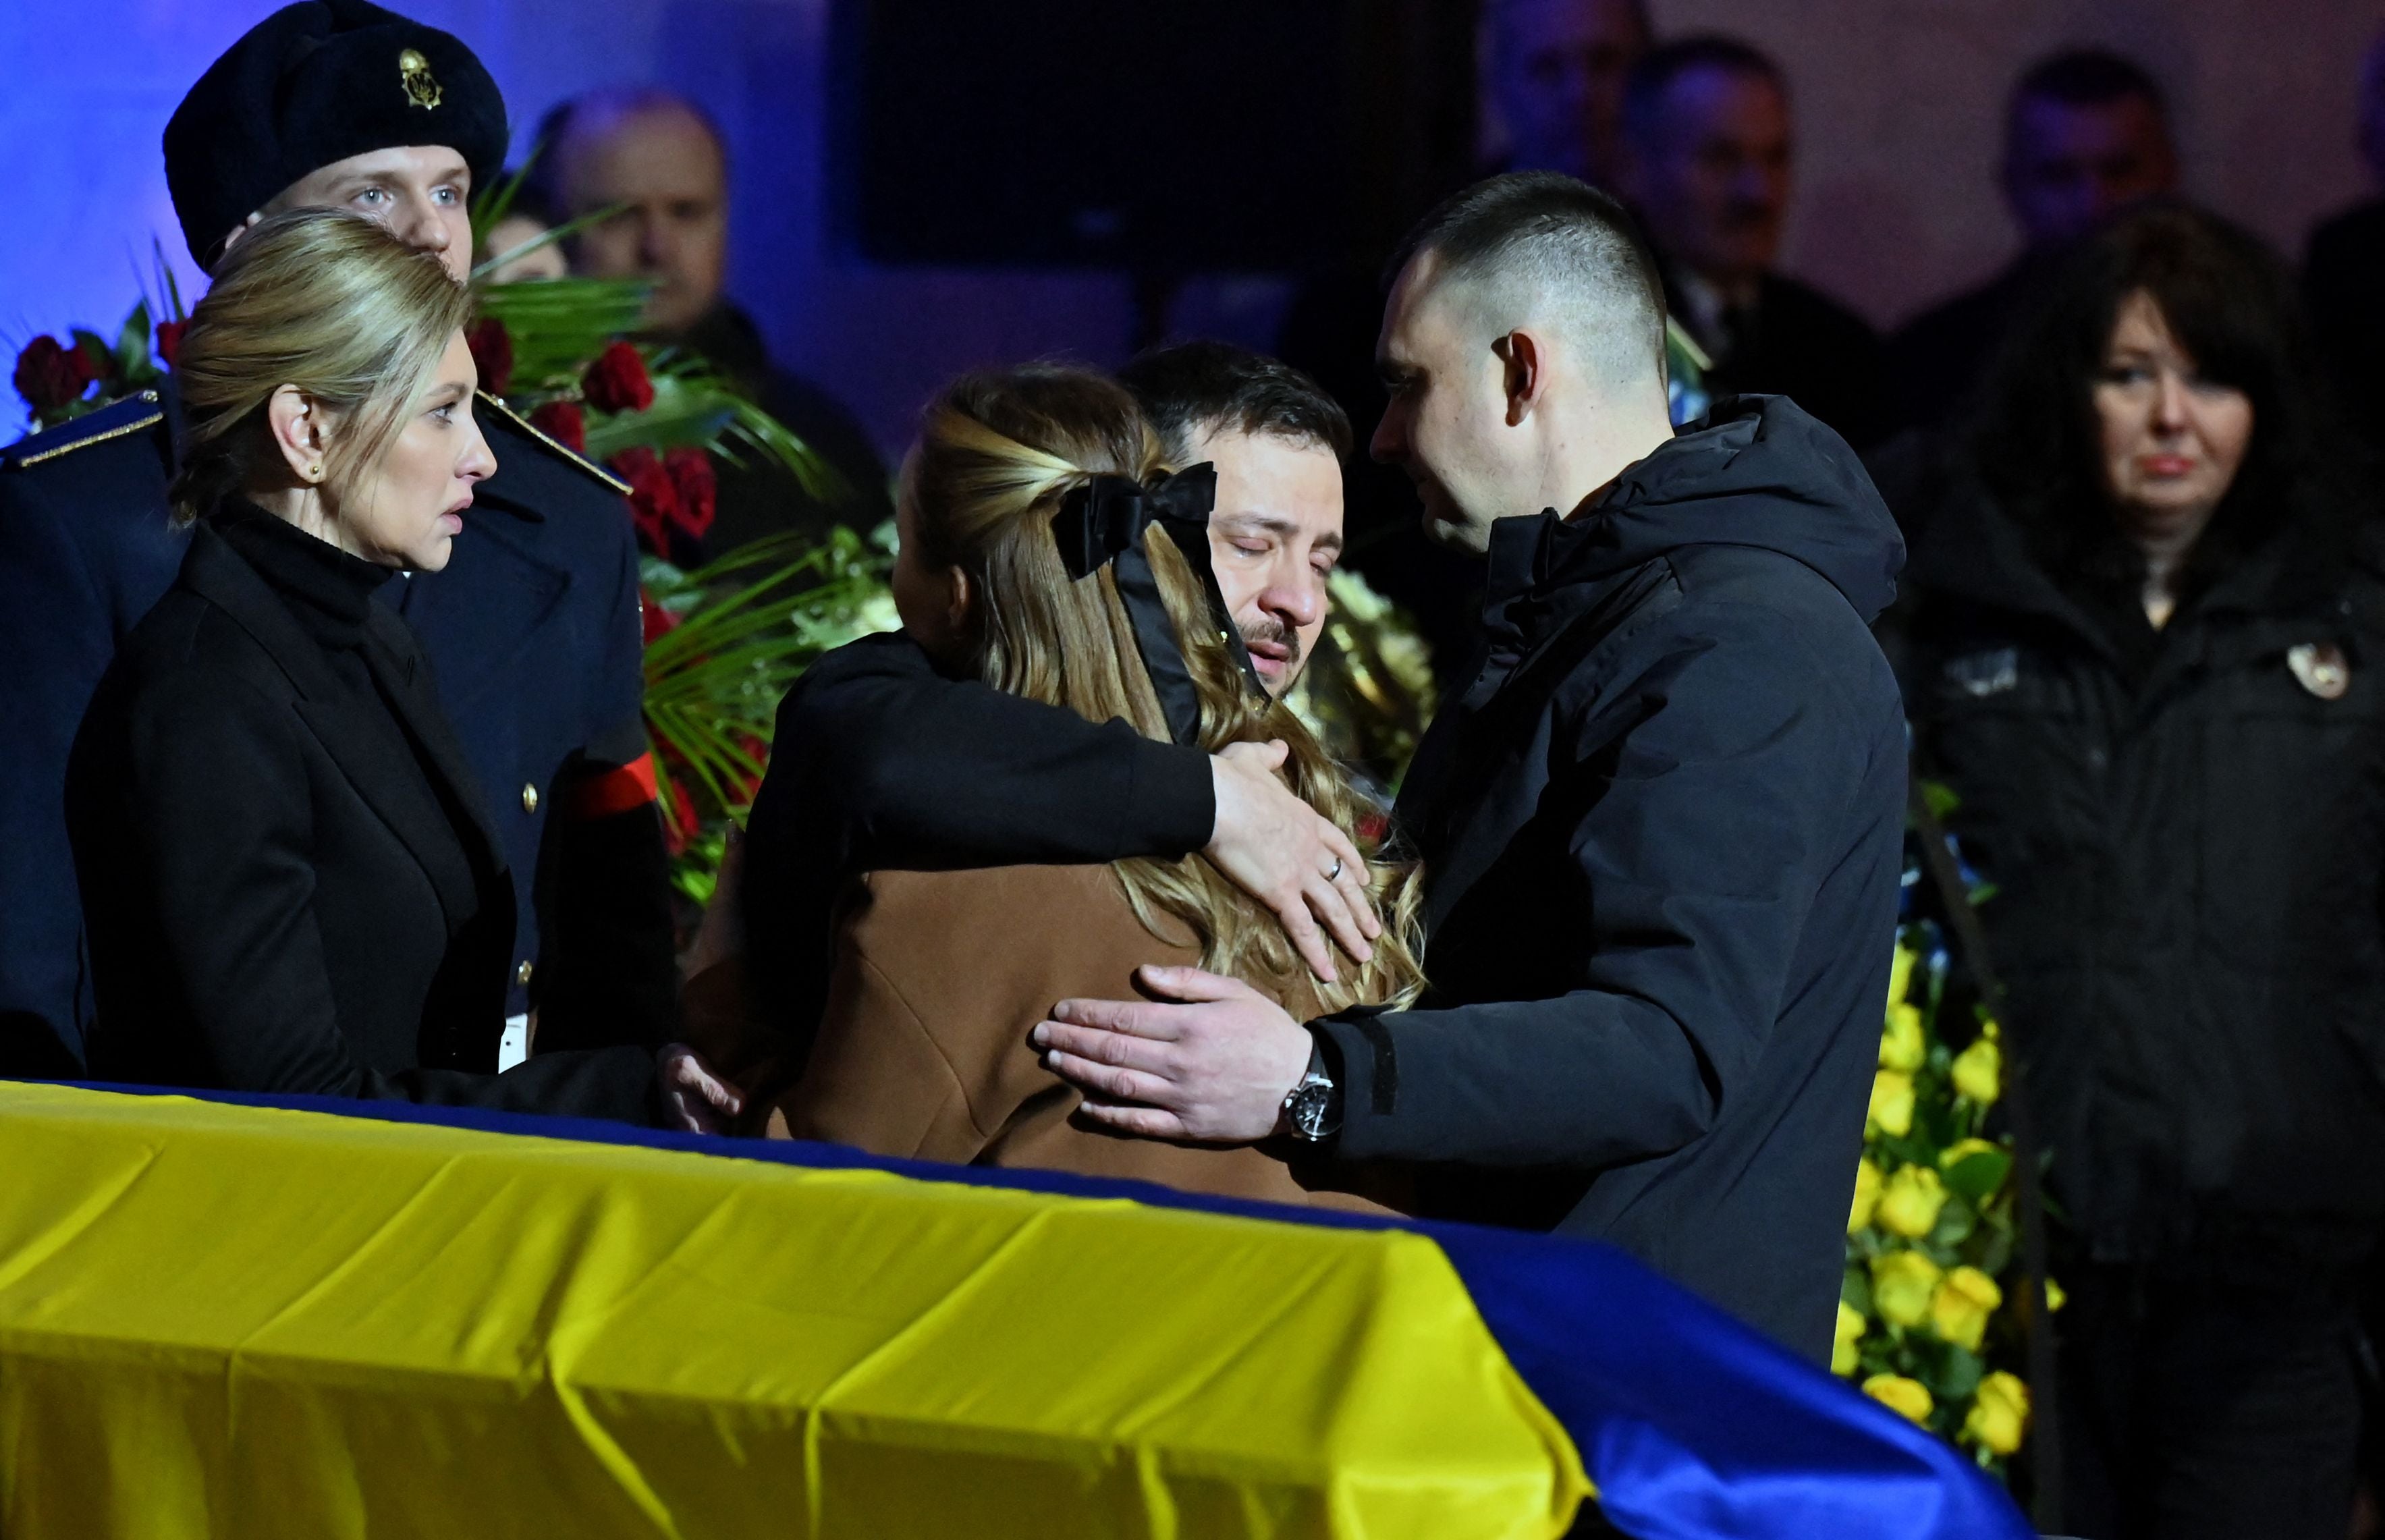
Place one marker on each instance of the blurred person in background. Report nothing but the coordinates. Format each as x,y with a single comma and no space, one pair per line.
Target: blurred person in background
527,218
1555,72
660,162
2145,660
2344,271
1706,165
2086,135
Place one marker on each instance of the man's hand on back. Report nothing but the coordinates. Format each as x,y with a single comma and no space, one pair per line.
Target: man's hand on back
1289,856
1216,1070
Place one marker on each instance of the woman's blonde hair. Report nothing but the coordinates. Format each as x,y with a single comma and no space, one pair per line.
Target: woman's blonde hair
997,454
324,300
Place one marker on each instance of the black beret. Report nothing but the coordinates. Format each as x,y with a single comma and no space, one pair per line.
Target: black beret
314,84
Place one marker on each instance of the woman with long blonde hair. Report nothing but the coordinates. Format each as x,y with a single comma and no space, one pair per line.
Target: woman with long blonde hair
1048,551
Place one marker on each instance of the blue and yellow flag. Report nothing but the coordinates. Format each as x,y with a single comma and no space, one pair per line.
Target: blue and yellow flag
243,1317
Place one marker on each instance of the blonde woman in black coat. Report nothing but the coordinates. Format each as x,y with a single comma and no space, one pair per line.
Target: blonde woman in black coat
289,881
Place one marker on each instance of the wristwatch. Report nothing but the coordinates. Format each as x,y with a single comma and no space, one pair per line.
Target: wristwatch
1312,1109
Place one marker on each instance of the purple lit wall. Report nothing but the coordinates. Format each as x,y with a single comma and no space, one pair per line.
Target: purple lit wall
1897,105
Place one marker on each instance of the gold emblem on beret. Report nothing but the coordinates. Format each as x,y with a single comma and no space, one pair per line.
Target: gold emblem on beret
414,74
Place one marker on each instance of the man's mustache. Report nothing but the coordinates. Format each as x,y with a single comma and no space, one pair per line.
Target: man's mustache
1270,630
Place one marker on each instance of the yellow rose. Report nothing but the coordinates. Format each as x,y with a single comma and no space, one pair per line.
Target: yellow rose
1867,1195
1979,1071
1960,1309
1902,1284
1999,1413
1891,1103
1900,975
1901,1395
1842,1347
1901,1047
1909,1202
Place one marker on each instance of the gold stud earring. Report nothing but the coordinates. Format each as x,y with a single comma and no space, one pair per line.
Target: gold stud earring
315,472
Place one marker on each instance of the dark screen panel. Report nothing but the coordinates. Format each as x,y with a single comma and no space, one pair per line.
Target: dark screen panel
1157,136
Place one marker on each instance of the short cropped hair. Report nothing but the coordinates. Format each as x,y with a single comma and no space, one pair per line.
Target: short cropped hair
1540,243
2087,77
1644,88
1195,389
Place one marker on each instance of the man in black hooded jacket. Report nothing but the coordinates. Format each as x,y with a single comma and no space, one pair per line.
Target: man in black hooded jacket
1661,829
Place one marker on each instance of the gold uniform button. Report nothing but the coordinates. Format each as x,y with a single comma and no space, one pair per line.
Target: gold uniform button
529,798
522,974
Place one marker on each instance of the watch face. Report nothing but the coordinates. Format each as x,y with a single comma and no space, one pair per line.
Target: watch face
1309,1106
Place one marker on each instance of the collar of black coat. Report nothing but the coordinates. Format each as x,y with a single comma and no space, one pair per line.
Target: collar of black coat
326,590
1756,472
220,574
1976,552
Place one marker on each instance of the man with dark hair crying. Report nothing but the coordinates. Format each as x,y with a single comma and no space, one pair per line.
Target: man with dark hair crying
2086,135
1278,442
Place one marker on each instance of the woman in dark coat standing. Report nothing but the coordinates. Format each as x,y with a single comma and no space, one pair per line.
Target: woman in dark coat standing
289,881
2148,655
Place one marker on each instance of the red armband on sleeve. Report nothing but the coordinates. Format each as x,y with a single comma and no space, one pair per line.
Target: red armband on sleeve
617,790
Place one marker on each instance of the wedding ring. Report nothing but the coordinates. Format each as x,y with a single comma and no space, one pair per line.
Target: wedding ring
1335,874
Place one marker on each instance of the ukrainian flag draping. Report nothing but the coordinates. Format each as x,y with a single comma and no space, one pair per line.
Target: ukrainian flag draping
234,1317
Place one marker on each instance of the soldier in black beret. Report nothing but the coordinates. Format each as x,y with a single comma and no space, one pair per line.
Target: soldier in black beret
534,629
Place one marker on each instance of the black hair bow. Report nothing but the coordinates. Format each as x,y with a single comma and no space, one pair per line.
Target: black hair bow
1106,516
1102,522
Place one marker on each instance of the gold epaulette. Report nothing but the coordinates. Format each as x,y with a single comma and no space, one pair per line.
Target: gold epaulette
111,421
565,450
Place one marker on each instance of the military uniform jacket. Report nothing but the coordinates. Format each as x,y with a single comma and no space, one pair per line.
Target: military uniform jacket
534,634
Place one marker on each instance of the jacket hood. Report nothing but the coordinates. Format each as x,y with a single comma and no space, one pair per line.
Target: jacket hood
1756,472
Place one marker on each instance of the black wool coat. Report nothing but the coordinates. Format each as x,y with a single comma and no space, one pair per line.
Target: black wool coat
1662,834
533,631
2189,909
271,881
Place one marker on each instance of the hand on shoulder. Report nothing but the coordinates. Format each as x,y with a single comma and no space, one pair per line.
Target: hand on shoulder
1289,856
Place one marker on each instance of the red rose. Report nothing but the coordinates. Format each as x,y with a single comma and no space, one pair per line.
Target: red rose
50,376
170,340
699,489
654,498
493,353
565,423
617,381
654,620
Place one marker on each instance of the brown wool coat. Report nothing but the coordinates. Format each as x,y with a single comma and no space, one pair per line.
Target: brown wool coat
922,1051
